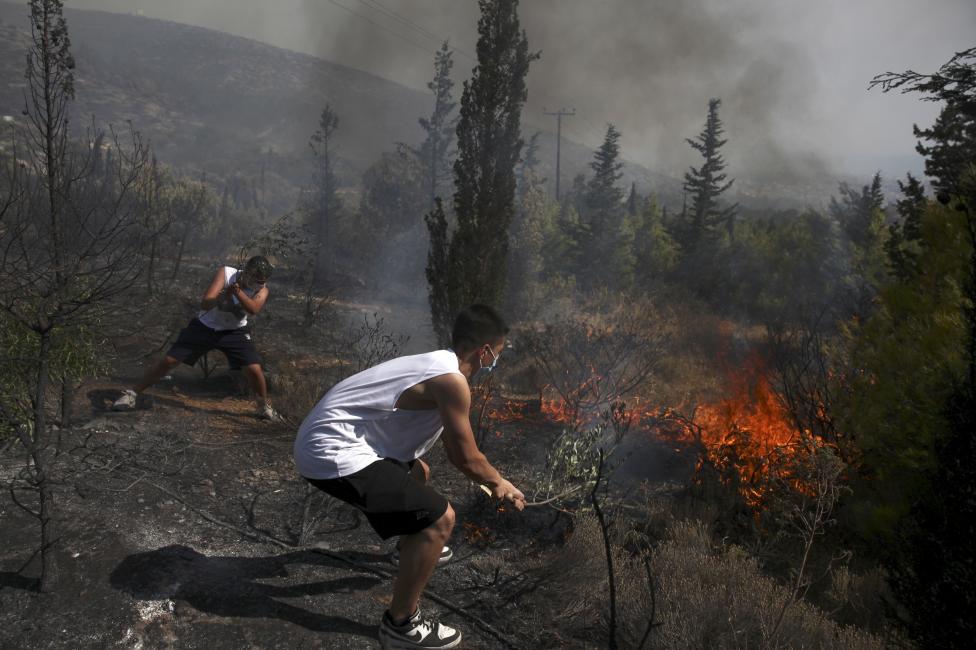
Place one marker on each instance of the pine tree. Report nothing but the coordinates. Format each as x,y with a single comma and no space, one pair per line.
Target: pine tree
633,201
489,146
706,184
604,218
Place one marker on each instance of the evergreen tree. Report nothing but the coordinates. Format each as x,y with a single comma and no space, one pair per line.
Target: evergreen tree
489,146
434,154
633,201
604,217
860,213
953,136
904,237
706,184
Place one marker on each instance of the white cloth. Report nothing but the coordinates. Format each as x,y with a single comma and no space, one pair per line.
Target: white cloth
218,319
357,423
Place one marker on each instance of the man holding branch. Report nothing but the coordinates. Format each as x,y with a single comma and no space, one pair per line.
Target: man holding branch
362,444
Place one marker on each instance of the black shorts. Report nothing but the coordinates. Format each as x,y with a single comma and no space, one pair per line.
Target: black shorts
196,339
393,502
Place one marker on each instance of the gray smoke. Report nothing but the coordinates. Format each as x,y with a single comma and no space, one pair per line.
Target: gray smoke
792,74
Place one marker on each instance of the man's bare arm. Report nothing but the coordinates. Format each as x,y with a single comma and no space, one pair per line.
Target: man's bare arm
212,297
250,305
453,398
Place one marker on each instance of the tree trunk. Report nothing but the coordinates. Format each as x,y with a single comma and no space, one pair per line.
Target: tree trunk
179,251
152,263
40,453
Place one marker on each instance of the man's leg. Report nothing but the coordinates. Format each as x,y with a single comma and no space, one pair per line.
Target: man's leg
418,557
257,383
156,372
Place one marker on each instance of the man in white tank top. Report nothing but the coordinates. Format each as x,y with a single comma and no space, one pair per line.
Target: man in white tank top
232,296
362,444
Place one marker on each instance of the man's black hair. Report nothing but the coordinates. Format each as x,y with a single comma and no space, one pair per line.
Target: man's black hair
475,326
259,266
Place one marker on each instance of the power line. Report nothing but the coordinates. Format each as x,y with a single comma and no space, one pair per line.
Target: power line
386,11
383,27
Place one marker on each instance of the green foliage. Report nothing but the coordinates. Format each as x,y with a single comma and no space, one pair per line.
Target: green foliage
781,266
907,358
489,145
903,244
932,568
606,236
861,217
393,197
534,236
654,250
74,355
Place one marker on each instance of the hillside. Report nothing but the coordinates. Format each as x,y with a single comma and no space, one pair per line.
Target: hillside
218,103
225,105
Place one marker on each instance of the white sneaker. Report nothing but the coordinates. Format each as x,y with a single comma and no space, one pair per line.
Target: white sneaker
417,632
267,413
127,402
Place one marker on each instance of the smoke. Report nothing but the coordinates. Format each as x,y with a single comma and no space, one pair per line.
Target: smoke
792,75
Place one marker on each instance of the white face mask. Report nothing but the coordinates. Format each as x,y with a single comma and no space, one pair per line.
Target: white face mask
484,370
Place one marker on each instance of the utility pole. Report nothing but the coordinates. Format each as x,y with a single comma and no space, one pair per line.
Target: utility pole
562,112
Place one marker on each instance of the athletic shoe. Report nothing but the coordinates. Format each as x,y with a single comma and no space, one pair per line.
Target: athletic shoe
125,403
417,632
446,555
267,413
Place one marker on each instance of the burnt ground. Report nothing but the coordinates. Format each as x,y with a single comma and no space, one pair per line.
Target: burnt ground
180,524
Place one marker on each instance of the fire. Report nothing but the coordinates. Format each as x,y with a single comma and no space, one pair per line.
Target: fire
745,436
744,431
478,535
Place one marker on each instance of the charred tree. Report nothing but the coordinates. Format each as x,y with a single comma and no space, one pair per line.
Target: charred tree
323,210
70,243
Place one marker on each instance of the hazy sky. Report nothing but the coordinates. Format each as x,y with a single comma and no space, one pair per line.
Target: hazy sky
792,74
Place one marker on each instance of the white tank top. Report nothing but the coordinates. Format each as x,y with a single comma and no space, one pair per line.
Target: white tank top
357,423
218,319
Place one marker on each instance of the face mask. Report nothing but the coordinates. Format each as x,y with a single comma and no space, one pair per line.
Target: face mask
484,371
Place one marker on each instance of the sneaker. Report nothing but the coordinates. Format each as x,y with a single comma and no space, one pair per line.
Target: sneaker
267,413
446,555
417,632
125,403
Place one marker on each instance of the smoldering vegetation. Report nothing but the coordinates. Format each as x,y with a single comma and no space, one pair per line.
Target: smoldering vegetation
741,419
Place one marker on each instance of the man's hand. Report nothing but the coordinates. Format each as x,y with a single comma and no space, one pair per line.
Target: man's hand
505,491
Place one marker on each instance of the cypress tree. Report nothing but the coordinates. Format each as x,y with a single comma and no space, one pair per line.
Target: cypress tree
489,145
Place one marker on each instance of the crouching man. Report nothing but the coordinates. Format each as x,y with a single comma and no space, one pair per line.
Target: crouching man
362,444
232,296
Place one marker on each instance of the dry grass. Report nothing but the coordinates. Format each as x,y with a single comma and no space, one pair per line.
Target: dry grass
704,597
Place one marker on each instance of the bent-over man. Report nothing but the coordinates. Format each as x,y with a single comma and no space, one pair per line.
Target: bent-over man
233,295
362,444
